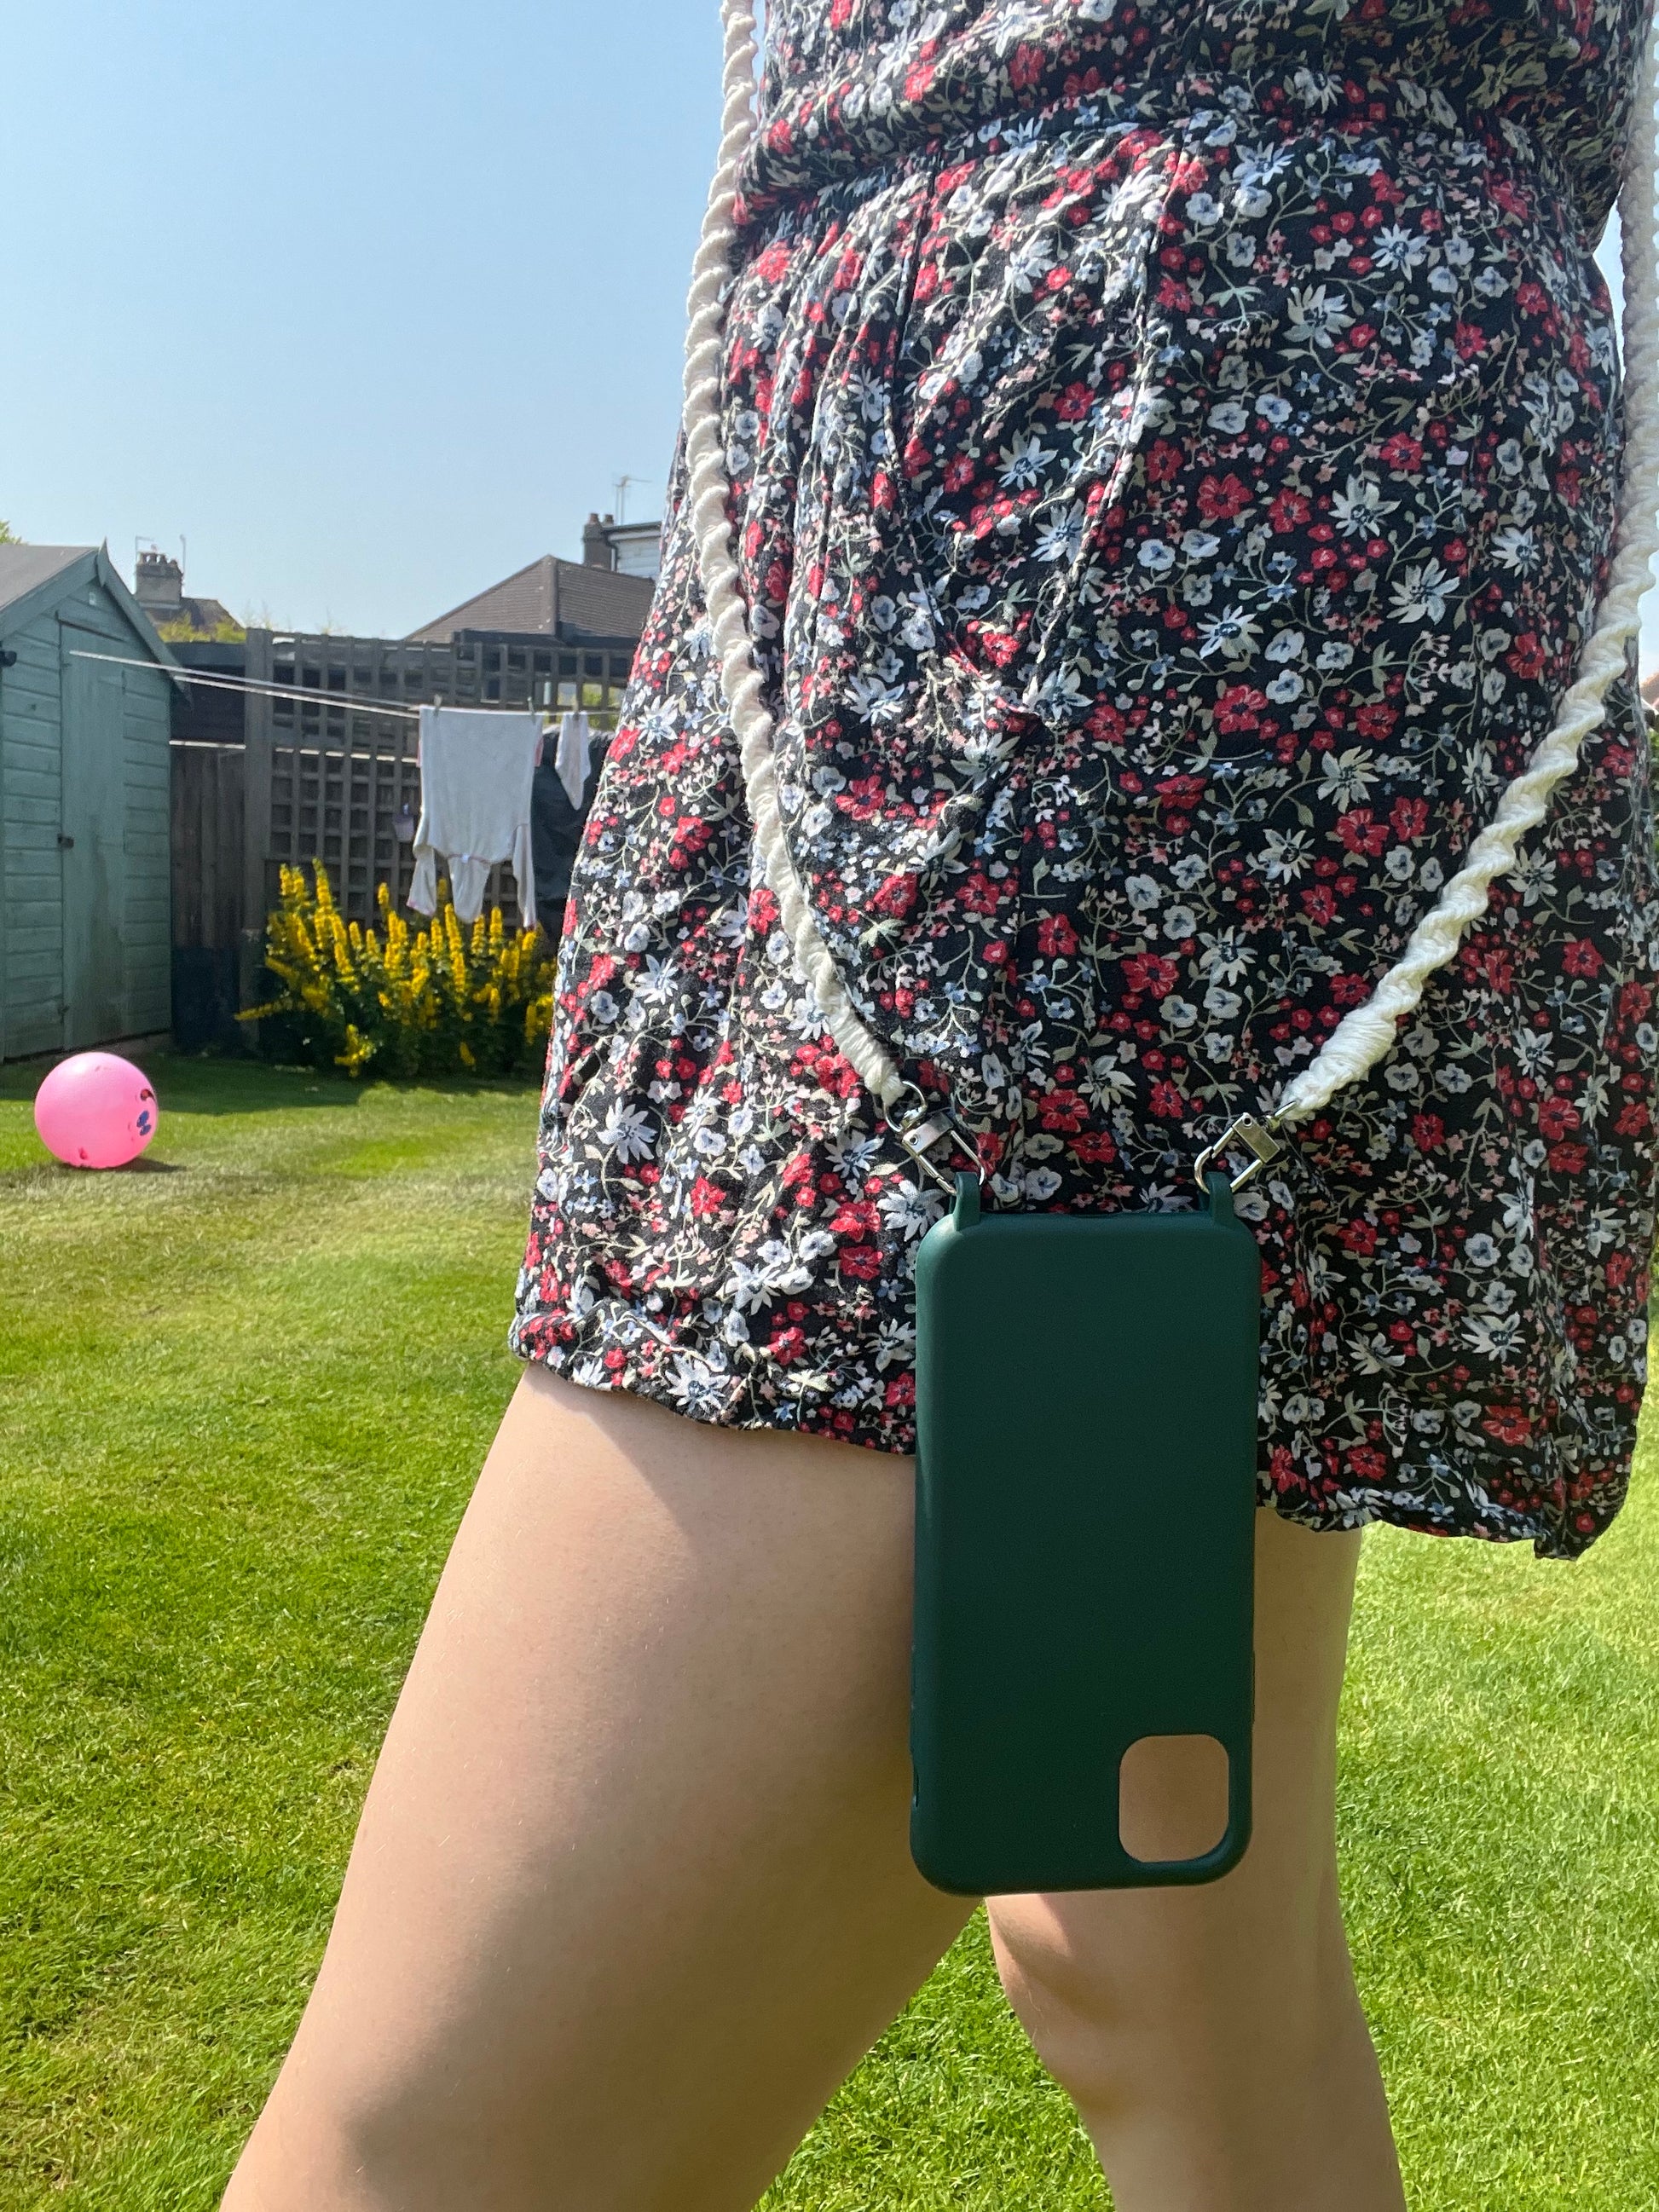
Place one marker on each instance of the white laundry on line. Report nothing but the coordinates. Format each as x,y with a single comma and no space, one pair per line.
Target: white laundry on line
574,759
477,772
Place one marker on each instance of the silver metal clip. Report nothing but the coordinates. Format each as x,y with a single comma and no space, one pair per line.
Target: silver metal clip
923,1132
1245,1134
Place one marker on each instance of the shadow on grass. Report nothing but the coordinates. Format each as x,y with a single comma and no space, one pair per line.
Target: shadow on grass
199,1085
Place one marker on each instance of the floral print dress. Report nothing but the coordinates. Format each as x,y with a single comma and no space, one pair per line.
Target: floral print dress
1174,448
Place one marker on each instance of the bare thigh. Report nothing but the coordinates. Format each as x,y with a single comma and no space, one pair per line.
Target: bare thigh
632,1892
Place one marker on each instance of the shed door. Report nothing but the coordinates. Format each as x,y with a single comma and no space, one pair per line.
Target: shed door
90,838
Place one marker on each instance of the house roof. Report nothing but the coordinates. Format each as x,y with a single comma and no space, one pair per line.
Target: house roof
202,617
34,577
551,597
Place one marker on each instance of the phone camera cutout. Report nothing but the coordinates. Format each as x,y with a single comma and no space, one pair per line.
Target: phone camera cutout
1172,1798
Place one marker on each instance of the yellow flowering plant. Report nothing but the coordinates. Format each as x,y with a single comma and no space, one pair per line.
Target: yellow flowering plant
444,999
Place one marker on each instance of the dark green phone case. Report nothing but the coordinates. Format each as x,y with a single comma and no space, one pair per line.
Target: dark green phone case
1086,1488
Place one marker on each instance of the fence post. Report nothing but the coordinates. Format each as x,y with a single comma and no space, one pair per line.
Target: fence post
256,768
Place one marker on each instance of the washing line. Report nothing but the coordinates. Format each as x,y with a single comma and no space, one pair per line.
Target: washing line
246,684
339,701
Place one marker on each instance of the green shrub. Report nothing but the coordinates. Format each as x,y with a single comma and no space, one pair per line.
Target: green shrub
441,1000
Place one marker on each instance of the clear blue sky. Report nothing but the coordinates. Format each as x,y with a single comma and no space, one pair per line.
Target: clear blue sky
370,302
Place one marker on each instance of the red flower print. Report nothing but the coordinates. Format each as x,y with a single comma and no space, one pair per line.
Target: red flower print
1507,1425
861,1261
1094,1147
1220,499
708,1197
896,895
1179,792
858,1217
1063,1110
1361,832
1239,708
1152,972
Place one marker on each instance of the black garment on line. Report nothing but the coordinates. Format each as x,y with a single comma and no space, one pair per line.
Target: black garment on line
555,826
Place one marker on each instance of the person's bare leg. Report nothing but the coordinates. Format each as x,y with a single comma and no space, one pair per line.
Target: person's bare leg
632,1892
1212,2037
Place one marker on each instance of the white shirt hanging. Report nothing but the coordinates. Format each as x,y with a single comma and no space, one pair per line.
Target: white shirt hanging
574,757
476,771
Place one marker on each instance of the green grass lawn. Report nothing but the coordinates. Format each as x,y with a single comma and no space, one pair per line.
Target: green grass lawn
243,1393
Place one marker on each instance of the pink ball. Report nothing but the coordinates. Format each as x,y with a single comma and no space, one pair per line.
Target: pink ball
95,1110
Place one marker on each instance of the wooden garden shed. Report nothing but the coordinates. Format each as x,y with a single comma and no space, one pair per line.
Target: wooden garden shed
85,936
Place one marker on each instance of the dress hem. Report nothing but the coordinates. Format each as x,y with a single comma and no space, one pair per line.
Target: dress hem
1400,1503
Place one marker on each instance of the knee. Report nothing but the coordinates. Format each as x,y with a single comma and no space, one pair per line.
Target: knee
1088,2009
350,2147
1158,1997
301,2162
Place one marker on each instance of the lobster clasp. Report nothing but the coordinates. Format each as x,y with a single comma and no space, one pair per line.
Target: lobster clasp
1244,1135
919,1129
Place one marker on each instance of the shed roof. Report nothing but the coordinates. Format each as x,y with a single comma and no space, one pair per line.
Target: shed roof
548,598
31,577
24,568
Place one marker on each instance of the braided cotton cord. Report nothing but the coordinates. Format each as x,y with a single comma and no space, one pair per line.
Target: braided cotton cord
709,492
1364,1037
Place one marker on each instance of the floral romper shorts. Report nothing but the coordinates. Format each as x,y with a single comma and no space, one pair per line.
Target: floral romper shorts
1175,447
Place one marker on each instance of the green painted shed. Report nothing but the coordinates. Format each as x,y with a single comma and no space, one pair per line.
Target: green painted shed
85,922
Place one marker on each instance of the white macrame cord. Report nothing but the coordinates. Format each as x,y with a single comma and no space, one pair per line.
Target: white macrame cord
1366,1035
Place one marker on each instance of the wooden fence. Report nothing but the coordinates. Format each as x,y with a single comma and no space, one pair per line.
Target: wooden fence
320,775
213,962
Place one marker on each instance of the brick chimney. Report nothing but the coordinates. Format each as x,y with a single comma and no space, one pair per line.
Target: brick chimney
159,587
596,543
